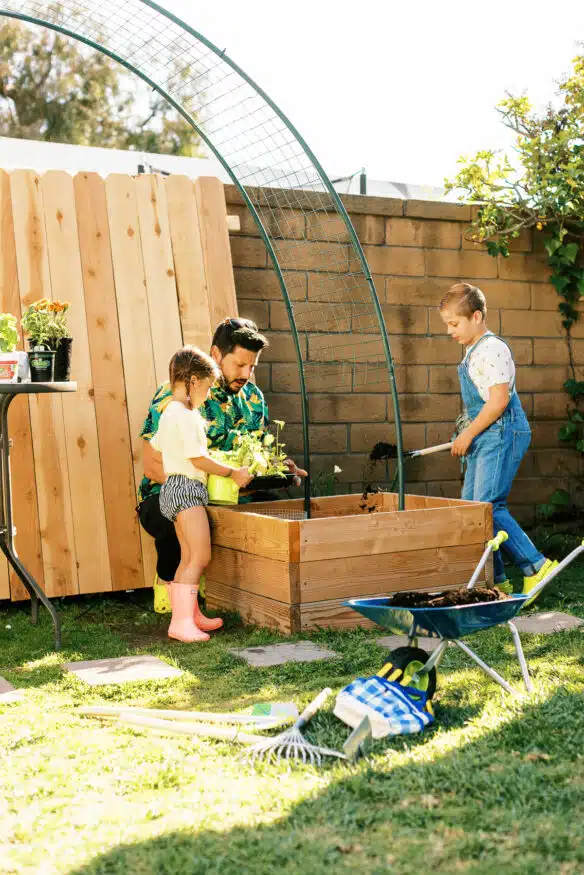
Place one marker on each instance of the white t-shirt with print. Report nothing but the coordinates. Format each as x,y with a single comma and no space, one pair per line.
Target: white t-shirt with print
181,436
490,364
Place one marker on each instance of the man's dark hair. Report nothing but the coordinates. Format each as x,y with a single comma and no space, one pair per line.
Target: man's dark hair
238,332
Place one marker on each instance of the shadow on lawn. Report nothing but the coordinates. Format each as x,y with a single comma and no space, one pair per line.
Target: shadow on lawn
503,803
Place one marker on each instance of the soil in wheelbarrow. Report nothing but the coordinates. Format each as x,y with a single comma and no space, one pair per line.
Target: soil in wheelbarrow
450,599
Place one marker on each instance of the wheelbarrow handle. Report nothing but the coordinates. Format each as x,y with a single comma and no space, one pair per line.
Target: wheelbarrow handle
499,539
563,564
492,545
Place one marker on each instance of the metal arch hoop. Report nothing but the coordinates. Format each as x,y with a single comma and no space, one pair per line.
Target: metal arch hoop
261,227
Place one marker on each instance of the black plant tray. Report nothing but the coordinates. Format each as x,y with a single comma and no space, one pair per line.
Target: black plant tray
271,481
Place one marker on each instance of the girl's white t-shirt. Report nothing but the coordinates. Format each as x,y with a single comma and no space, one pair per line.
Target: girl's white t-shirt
181,436
490,364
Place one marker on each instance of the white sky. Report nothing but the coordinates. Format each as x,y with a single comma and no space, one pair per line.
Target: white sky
401,88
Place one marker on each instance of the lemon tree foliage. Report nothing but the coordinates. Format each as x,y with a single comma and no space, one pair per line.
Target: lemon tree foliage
541,186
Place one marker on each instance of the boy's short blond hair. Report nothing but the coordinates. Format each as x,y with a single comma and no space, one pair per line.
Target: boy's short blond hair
466,298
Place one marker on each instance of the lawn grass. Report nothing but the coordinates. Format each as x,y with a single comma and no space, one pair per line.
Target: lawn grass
497,786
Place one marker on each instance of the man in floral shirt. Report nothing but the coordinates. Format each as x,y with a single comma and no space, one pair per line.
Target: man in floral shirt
235,405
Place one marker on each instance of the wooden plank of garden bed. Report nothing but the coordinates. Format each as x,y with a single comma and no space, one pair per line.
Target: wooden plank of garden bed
115,450
324,506
256,609
253,533
134,322
212,210
359,576
333,614
159,271
82,449
24,497
417,502
272,578
189,263
46,411
389,532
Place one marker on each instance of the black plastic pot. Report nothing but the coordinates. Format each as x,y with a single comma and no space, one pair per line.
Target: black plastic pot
63,360
42,365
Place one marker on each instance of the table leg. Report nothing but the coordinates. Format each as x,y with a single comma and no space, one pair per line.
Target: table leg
7,531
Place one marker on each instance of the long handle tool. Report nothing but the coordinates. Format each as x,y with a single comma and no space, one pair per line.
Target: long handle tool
382,451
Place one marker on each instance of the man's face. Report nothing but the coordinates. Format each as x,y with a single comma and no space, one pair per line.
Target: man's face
237,367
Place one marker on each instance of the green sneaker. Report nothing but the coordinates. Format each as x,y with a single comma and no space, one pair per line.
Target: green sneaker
505,586
531,582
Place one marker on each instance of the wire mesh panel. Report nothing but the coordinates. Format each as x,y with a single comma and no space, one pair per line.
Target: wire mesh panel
339,334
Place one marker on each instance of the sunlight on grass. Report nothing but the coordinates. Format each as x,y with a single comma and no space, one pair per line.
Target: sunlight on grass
491,788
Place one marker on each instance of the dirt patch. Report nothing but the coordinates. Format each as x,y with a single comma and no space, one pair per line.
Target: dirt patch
382,450
450,599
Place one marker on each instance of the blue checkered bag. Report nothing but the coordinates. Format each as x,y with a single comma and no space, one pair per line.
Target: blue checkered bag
391,708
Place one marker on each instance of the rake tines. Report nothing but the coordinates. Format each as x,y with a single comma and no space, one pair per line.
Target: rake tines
291,744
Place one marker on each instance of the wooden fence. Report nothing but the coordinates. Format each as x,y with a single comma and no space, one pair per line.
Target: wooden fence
146,265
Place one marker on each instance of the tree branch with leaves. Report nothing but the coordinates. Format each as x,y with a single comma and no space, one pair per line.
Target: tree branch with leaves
54,89
541,188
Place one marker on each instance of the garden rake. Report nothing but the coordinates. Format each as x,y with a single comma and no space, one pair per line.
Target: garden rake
291,744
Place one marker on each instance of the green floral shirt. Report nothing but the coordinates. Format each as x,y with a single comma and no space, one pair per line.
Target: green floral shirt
226,415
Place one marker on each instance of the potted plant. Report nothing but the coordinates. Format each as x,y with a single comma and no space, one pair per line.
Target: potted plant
13,363
45,323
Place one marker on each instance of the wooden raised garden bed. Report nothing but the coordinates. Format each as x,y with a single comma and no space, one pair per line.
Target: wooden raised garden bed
294,574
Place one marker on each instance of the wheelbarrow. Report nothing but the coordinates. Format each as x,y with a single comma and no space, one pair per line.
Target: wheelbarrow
415,667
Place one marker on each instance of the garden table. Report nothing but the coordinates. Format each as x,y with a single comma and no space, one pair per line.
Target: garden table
9,391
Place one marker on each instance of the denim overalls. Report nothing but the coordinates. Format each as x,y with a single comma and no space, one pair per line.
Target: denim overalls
492,461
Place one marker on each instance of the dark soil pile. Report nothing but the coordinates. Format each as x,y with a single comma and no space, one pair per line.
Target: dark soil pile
449,599
382,450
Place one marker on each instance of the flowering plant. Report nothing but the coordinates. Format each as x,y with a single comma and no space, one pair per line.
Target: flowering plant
45,322
326,482
261,452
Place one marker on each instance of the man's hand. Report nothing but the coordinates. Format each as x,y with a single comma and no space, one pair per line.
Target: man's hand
152,462
462,443
294,469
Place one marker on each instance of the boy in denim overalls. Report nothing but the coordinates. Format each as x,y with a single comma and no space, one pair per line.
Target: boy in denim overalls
497,434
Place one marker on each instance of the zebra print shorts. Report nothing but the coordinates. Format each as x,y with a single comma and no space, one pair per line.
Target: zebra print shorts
180,493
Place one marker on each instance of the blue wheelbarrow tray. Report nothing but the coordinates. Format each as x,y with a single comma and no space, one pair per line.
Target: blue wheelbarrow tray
450,625
452,622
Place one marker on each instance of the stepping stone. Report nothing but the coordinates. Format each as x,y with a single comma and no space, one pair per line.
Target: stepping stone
124,669
546,622
8,693
278,654
394,641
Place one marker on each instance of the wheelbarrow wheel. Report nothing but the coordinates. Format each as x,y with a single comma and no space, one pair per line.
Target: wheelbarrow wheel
405,665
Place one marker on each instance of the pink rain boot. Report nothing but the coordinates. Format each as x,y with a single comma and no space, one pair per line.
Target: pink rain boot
183,598
206,623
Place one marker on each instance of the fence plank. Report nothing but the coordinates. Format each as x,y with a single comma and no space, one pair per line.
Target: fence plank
24,499
212,210
189,262
134,321
159,271
113,430
46,412
80,424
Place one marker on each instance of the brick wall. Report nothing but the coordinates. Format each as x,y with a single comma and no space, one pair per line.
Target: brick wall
415,250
